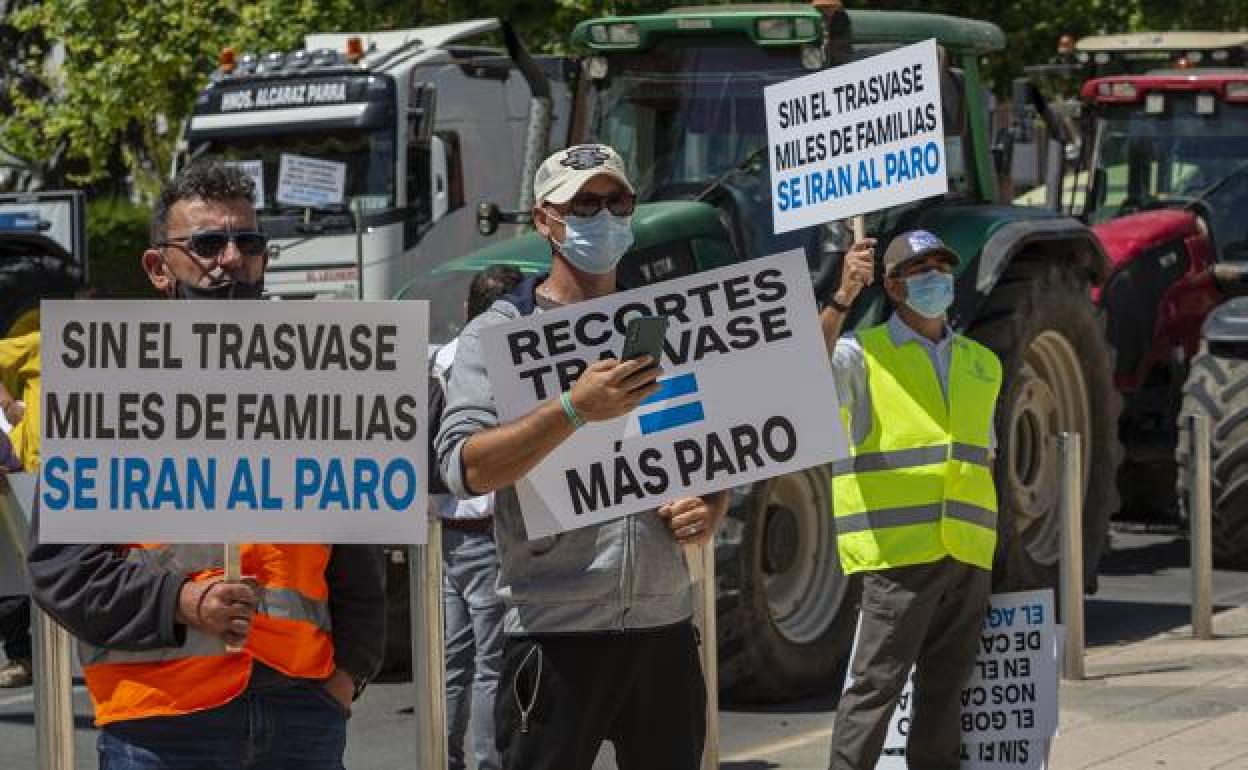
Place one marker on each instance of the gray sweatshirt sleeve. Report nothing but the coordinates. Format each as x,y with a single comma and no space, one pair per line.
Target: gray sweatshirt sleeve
469,404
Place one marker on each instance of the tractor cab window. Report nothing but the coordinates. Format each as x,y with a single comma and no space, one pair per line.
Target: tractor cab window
1169,159
681,116
689,121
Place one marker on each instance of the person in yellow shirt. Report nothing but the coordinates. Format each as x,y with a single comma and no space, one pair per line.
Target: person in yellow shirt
19,394
19,402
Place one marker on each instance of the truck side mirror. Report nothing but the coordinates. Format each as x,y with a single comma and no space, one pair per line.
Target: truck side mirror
488,217
439,179
420,113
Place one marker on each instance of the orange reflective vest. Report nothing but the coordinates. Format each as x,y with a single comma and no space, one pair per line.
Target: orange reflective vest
290,633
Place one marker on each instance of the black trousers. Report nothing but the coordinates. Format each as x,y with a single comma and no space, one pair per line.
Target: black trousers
15,626
560,696
928,616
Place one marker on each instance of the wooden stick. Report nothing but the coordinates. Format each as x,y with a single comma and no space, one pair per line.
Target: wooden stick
860,227
233,565
233,574
693,560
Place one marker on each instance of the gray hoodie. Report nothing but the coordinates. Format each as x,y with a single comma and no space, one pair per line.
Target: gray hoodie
622,575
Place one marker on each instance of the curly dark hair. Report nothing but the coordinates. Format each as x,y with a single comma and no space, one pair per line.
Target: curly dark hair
208,180
490,284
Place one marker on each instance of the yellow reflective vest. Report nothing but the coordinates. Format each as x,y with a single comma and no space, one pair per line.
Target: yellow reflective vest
918,487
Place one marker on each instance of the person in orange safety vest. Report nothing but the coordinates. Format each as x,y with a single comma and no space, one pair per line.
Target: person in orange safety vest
184,668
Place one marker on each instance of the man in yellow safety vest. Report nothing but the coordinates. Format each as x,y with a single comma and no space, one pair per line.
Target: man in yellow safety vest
914,502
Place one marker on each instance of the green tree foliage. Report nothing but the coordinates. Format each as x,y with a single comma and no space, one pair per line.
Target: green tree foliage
116,236
130,70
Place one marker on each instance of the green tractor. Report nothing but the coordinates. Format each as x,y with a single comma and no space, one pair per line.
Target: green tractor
680,95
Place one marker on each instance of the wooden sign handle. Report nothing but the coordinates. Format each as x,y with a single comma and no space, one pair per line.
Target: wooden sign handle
233,574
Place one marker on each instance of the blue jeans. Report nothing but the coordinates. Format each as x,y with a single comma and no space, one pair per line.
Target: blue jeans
474,643
291,728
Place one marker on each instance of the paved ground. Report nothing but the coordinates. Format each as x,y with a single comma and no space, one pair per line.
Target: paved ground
1165,702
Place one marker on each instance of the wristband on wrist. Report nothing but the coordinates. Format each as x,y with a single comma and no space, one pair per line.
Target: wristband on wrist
837,305
199,604
569,411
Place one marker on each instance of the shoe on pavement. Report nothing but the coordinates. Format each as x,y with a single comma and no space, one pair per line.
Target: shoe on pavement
16,673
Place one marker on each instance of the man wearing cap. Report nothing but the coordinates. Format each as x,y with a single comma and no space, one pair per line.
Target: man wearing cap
914,502
599,640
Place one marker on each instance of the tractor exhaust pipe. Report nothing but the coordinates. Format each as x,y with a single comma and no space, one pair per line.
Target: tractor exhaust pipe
541,111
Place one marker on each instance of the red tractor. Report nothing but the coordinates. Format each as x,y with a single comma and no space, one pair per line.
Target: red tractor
1164,163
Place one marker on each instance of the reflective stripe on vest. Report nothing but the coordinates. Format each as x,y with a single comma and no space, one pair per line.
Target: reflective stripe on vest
290,633
918,487
281,603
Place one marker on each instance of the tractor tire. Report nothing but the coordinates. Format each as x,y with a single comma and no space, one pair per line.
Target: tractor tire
1217,386
1058,377
785,612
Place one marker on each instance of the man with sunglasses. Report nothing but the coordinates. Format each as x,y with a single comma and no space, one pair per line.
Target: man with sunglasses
160,631
599,640
914,504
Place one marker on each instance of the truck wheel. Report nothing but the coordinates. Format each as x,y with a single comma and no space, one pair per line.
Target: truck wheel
1218,387
785,611
1058,376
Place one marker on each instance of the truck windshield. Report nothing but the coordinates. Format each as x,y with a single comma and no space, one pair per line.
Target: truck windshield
1165,159
367,154
683,115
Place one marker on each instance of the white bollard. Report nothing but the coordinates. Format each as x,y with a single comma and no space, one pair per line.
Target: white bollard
428,663
1200,509
701,563
1070,506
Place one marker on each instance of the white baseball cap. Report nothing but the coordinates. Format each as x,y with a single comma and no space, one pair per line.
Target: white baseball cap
562,175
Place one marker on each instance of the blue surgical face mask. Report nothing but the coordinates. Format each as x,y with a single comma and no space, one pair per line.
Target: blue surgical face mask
929,294
596,244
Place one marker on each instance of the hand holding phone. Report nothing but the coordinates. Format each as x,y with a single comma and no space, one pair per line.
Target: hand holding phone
644,337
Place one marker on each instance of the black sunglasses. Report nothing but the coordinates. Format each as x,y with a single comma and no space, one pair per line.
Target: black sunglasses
621,204
210,244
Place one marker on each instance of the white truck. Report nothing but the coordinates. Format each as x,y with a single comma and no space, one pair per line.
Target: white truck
371,150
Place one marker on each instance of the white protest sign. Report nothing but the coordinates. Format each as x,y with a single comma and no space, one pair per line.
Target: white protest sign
1009,704
304,181
1012,692
255,170
208,422
746,392
858,138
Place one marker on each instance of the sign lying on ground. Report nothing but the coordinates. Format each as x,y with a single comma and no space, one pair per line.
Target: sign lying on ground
746,392
233,422
1009,704
858,138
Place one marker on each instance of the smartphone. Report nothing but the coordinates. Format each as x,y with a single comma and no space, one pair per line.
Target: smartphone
644,337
